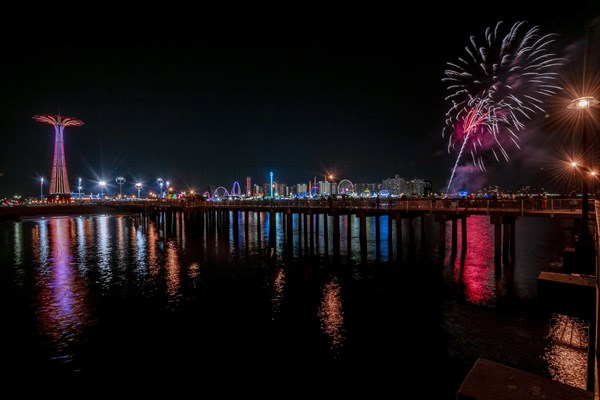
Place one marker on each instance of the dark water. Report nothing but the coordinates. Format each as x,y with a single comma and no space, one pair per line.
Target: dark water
148,305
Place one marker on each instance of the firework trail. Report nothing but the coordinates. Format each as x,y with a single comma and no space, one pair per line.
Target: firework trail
496,88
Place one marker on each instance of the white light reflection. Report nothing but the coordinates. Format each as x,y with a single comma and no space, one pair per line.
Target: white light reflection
104,251
566,354
331,315
138,242
18,254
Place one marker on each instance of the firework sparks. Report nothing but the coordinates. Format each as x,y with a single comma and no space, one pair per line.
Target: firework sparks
496,89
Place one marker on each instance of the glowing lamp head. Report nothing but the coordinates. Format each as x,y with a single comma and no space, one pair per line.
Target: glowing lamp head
574,164
102,183
583,103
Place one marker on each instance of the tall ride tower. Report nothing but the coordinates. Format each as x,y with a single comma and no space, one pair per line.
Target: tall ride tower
59,191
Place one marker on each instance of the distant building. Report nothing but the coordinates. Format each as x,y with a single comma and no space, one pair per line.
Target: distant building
248,186
410,187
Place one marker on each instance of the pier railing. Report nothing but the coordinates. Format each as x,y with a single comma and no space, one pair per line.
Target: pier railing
477,206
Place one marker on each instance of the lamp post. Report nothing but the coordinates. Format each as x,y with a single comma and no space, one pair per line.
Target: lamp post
583,104
138,186
102,184
79,188
160,184
120,180
271,175
42,188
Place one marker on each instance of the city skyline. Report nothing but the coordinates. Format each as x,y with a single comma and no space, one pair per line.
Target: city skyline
212,107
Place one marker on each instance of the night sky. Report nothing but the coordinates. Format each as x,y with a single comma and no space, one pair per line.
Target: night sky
299,91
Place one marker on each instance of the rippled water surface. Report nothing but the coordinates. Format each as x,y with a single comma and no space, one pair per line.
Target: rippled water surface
102,297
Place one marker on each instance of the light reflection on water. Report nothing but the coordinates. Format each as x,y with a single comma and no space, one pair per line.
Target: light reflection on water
62,304
473,269
278,290
82,263
331,315
566,354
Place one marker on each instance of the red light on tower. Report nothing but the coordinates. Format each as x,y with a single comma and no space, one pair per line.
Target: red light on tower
59,191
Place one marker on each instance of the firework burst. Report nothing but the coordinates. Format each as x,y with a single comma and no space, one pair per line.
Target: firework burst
495,89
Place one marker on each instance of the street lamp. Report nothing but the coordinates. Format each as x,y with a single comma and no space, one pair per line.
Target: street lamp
79,188
583,104
120,180
271,175
160,184
138,186
42,188
102,184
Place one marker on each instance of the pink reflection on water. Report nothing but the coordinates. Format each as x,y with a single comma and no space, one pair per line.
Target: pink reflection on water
62,303
331,314
474,269
566,353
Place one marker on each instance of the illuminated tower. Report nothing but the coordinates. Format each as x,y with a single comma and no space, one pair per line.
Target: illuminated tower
59,191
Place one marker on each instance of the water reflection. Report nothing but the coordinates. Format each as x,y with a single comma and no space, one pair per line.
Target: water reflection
162,271
473,269
172,273
278,288
104,251
566,354
18,254
62,306
331,315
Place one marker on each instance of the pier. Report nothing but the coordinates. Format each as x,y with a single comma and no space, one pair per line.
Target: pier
410,215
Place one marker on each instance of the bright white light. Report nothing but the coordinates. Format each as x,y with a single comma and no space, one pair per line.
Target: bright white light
102,183
583,103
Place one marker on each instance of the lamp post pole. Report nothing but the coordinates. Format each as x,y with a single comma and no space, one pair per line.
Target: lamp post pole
160,184
120,180
42,188
583,104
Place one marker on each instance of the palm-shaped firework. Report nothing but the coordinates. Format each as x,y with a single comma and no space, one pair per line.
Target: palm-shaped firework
496,88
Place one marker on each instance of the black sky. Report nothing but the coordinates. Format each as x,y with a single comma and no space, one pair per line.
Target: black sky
202,98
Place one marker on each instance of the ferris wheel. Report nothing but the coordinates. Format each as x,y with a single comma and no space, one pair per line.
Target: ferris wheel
345,187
